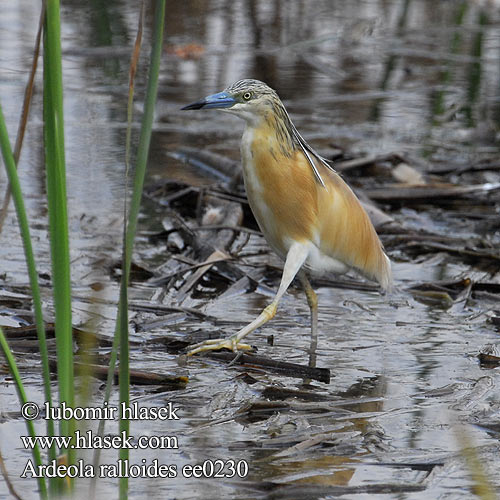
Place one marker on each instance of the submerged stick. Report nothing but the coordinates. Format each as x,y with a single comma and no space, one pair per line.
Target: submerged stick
137,377
284,368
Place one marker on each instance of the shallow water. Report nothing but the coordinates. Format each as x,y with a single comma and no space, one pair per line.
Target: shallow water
407,392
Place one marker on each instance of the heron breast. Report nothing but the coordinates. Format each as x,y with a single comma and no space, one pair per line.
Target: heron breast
281,191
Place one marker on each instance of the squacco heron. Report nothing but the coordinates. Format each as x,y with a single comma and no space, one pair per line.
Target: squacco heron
307,213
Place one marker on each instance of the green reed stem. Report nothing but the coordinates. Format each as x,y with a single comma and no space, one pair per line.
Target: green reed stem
121,336
57,208
23,399
140,172
22,218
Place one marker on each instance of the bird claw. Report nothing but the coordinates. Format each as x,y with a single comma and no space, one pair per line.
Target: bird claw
231,343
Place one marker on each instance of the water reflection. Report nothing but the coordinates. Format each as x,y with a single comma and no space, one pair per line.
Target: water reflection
344,47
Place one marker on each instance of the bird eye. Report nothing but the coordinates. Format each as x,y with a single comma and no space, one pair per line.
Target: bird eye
247,96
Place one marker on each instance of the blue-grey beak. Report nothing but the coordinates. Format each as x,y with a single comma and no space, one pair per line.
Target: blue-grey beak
220,100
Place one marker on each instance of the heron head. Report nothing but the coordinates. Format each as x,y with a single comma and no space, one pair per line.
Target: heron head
248,99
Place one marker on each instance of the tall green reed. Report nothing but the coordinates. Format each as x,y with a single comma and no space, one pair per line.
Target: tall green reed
35,292
59,240
121,337
140,172
55,168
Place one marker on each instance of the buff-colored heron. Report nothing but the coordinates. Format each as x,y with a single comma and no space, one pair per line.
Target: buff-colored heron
307,213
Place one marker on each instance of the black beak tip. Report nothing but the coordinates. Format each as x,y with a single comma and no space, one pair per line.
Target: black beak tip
194,105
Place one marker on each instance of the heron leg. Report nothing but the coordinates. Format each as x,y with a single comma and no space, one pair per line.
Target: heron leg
296,256
312,301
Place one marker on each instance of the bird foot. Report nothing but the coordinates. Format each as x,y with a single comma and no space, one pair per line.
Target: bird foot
230,343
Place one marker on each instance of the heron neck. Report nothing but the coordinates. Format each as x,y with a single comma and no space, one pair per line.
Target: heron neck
274,132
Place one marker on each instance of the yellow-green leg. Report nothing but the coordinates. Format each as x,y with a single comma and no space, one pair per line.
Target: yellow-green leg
294,260
312,301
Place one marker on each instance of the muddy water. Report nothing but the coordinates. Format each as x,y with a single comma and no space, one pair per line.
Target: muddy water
407,393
